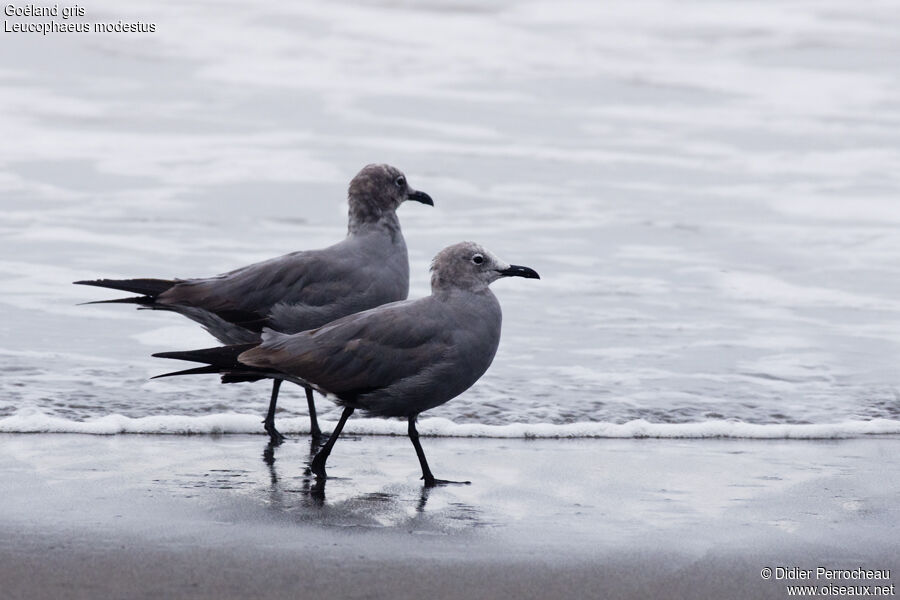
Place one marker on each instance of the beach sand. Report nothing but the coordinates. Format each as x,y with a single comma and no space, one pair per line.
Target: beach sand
133,516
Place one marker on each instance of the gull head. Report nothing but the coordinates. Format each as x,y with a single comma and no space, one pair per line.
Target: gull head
470,266
380,189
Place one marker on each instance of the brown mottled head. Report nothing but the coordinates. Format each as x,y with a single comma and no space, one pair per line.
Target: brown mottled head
378,190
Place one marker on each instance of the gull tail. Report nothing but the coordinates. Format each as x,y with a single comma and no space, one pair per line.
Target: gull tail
222,360
149,289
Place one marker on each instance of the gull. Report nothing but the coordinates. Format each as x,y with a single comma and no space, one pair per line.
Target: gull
396,360
301,290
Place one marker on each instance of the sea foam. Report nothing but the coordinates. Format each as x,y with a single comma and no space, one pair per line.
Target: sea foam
235,423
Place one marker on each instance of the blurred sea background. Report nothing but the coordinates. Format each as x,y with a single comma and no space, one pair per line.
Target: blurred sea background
708,189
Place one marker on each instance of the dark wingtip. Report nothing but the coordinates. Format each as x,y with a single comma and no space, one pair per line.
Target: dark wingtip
194,371
145,286
220,356
91,282
94,282
169,354
145,300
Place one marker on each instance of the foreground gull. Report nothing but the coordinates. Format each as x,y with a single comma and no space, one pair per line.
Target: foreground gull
396,360
301,290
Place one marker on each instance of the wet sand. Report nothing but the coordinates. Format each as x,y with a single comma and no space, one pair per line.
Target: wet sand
215,517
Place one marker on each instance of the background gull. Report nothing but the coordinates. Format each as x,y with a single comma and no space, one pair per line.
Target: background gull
396,360
300,290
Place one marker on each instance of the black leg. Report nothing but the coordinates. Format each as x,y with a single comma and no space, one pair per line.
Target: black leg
269,422
430,481
414,436
318,463
314,430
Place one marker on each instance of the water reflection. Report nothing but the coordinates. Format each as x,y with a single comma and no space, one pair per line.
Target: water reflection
309,488
347,502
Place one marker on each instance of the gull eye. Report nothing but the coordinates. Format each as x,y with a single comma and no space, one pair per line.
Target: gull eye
478,259
400,181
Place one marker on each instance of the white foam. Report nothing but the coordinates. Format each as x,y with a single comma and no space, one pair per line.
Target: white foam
32,421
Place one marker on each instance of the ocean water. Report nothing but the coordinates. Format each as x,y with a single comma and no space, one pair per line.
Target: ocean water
710,191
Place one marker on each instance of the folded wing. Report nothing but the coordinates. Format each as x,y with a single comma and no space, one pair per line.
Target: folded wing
361,353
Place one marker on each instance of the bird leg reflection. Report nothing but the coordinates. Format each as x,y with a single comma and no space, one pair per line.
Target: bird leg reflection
316,491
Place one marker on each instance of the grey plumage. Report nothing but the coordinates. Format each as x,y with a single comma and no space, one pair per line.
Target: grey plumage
300,290
396,360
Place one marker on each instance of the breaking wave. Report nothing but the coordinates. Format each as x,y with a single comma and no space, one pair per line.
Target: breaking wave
32,421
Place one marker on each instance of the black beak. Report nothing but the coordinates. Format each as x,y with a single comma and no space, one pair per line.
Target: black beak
519,271
420,197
